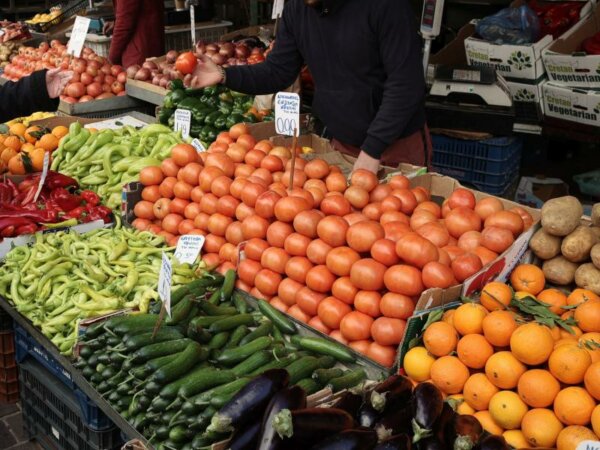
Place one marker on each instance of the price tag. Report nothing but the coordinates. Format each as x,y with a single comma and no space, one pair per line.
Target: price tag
277,9
198,145
164,282
287,113
188,248
183,119
80,29
43,176
589,445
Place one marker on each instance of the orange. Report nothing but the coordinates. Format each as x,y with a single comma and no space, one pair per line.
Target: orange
488,424
574,406
555,332
448,317
567,315
17,129
13,142
7,154
459,404
468,318
2,138
595,420
528,278
48,142
440,339
507,409
541,427
538,388
417,363
474,351
16,166
574,333
495,295
37,159
587,315
591,380
449,374
554,298
570,437
581,295
565,341
498,327
28,136
27,147
504,370
568,363
591,342
60,131
515,439
532,343
478,390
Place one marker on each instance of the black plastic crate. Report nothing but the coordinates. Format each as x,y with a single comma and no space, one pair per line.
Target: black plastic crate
51,413
6,322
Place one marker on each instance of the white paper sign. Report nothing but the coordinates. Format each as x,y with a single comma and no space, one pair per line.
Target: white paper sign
589,445
198,145
78,35
277,9
287,113
183,119
188,248
43,176
164,282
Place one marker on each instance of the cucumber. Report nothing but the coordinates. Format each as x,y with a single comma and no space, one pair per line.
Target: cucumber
162,432
85,352
228,285
253,362
309,385
305,366
218,341
93,331
170,390
198,333
207,379
277,364
231,322
235,355
241,305
144,339
348,380
180,365
124,324
152,388
322,376
264,329
203,399
159,404
237,336
157,363
213,310
180,311
327,347
284,324
206,321
178,434
161,349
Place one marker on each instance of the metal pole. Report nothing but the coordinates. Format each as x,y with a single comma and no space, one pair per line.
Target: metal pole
192,5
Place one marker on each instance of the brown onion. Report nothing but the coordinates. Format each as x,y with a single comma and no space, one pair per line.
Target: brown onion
242,51
151,65
172,56
143,74
218,59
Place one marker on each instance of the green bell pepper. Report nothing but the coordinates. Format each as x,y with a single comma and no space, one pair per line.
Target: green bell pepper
220,122
165,114
208,134
173,98
176,84
210,119
233,119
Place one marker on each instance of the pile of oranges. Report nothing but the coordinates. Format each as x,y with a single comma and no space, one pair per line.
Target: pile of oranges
537,385
22,149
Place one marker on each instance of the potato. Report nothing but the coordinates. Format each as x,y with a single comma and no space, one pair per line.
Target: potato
596,231
587,276
595,254
576,246
596,215
544,245
560,216
559,270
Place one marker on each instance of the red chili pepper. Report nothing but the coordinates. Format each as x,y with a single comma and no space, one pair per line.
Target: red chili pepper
43,216
26,229
13,187
64,199
76,213
5,193
55,180
90,197
99,212
8,231
8,225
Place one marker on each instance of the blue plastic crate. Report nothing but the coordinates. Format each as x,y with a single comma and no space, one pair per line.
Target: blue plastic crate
489,164
26,346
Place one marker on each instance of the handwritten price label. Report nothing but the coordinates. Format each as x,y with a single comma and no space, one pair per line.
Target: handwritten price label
183,119
164,282
287,113
198,145
78,35
277,9
188,248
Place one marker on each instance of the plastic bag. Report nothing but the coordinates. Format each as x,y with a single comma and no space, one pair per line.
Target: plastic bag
515,26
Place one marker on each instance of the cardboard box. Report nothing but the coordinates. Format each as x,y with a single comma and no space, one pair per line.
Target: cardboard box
567,64
527,92
534,192
266,30
98,106
572,104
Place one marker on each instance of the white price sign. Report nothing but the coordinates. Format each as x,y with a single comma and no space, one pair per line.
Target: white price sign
43,176
188,248
198,145
78,35
277,9
164,282
183,120
589,445
287,113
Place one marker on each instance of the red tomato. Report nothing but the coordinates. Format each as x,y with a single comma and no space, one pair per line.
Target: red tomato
437,275
344,290
506,219
404,279
388,331
396,306
488,206
331,311
317,324
460,220
416,250
384,251
368,302
368,274
186,62
356,326
297,267
339,260
461,197
496,239
275,259
332,230
320,279
287,291
466,265
278,232
362,235
254,248
308,300
383,354
267,281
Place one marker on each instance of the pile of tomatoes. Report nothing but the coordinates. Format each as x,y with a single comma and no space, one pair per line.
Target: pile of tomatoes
94,77
350,260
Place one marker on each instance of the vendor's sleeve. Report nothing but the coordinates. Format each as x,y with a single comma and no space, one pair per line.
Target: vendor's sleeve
404,88
279,70
127,14
25,97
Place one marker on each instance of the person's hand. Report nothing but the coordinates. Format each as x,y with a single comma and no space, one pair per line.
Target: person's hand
108,27
364,161
56,80
206,73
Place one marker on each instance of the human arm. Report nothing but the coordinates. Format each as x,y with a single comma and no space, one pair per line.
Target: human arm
127,13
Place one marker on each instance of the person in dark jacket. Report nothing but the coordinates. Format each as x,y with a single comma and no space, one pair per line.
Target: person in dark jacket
37,92
365,58
138,31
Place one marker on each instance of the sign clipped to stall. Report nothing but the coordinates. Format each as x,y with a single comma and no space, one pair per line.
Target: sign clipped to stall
188,248
199,146
45,168
183,119
287,113
277,9
78,35
164,282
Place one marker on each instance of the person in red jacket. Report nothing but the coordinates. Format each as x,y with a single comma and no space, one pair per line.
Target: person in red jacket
138,31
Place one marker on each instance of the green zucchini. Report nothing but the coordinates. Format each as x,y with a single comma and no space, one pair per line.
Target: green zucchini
283,363
284,324
206,321
228,285
240,304
235,355
180,311
203,399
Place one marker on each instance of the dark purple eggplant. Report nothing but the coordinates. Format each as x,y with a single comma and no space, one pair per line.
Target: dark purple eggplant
394,422
395,383
245,438
359,439
250,402
368,416
431,443
349,402
443,421
492,442
305,427
291,398
427,405
463,432
398,442
391,394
